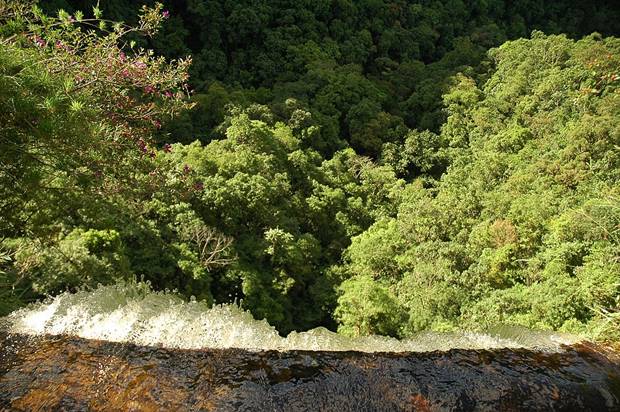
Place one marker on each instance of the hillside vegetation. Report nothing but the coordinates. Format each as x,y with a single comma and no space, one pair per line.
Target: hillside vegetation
373,167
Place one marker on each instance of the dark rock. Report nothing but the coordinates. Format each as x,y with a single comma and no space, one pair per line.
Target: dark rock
65,373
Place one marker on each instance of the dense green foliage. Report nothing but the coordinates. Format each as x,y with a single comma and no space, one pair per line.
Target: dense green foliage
368,166
366,70
524,227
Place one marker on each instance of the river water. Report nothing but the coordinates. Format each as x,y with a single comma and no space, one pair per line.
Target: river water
126,348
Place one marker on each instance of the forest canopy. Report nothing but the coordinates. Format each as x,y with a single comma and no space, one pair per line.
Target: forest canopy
375,167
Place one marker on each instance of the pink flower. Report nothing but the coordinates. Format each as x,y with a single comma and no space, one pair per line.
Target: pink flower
142,146
140,65
157,124
168,94
199,186
186,169
165,14
149,89
122,56
60,45
39,41
167,148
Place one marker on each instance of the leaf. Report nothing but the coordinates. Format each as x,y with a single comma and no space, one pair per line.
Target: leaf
97,11
63,15
36,10
77,106
68,85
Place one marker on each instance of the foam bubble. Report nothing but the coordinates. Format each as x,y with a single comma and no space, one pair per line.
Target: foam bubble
133,313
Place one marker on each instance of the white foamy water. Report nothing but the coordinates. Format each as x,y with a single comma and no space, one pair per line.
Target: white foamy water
133,313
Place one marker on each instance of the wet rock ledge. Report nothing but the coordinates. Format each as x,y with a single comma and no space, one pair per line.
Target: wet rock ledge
66,373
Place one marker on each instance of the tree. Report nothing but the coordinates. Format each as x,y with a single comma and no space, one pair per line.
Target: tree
78,106
515,230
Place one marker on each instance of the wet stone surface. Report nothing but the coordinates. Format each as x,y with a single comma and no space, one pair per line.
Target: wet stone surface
66,373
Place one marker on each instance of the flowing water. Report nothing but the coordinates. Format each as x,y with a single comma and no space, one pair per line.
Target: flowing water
132,313
124,347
